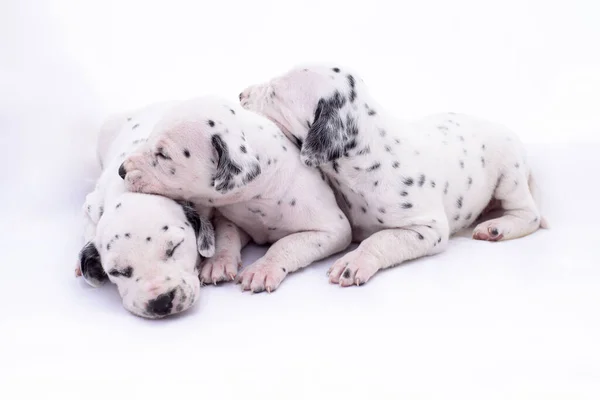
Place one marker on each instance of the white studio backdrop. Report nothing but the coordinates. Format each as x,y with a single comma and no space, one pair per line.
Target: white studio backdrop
532,65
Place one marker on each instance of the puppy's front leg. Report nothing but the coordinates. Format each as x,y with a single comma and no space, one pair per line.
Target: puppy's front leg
229,241
389,248
289,254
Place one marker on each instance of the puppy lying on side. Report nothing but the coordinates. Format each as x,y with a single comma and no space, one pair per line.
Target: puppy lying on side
147,245
405,186
217,154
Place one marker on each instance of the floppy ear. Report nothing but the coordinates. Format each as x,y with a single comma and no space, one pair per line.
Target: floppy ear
332,133
90,265
205,233
236,163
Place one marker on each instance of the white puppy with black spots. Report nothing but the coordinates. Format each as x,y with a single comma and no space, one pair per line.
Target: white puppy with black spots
405,186
148,245
217,154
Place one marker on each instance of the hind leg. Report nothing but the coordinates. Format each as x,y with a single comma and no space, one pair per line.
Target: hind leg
521,216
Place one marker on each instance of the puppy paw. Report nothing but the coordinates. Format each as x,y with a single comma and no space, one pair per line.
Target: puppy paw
221,267
355,268
260,276
491,231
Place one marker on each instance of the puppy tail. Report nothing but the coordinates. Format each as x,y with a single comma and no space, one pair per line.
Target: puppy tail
535,193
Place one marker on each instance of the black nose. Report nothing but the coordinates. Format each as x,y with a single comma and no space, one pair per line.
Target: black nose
122,171
163,304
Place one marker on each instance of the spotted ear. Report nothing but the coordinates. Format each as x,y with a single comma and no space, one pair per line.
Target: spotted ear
91,266
205,233
332,133
236,163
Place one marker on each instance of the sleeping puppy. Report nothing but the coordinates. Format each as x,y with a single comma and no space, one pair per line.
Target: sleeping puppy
147,245
217,154
405,186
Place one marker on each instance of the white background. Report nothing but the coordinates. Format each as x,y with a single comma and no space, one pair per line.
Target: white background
517,319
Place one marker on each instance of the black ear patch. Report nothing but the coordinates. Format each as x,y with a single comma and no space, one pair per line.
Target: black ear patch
331,134
235,167
205,233
227,169
91,266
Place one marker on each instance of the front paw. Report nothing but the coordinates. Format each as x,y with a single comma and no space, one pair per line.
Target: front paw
221,267
262,275
354,268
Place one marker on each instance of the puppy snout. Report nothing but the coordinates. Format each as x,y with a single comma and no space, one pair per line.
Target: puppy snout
122,171
162,305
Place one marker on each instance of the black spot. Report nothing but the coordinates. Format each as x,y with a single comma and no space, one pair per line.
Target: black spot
283,269
482,162
127,272
293,202
116,236
456,217
336,69
439,239
135,126
118,205
468,217
284,148
279,202
169,252
363,209
357,168
432,184
407,205
172,171
376,183
165,228
396,164
408,181
346,273
380,220
101,211
128,119
421,180
211,123
459,202
148,239
340,215
108,246
462,164
446,188
388,148
382,132
233,112
421,237
243,149
483,147
469,182
374,167
381,210
461,138
404,194
517,165
128,235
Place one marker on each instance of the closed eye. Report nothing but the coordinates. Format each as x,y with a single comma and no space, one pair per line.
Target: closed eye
160,153
126,272
170,251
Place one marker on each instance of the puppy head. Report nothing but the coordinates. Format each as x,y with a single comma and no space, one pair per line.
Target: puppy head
199,150
316,107
147,246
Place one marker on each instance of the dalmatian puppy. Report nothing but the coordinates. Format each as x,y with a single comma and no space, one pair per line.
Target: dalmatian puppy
217,154
405,186
148,245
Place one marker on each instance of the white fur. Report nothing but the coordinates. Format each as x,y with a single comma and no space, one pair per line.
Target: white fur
217,154
128,229
405,186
